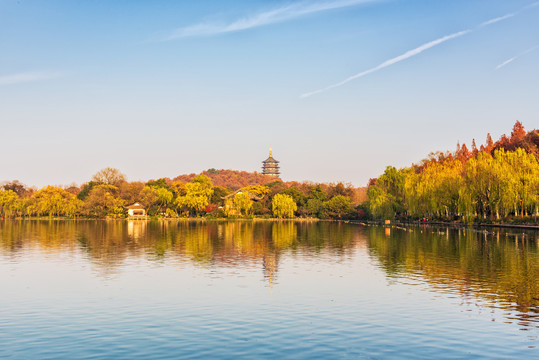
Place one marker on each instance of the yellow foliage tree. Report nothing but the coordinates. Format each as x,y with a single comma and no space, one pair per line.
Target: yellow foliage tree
243,203
53,201
257,190
197,194
102,201
283,206
9,201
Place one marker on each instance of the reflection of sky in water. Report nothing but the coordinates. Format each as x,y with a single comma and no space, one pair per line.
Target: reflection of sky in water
269,289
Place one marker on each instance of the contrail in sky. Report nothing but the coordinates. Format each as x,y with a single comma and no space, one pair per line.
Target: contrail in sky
417,51
516,57
28,77
281,14
498,19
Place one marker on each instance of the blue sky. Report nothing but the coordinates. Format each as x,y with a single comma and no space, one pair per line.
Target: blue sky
162,88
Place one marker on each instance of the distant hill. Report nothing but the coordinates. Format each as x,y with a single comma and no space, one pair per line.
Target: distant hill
231,179
234,179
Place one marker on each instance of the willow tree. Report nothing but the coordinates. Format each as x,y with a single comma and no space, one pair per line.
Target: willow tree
155,198
386,196
243,203
197,194
53,201
483,185
500,184
9,201
525,179
283,206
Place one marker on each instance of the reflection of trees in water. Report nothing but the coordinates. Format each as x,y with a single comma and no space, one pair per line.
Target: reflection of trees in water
242,243
283,234
240,240
336,237
194,243
15,235
501,267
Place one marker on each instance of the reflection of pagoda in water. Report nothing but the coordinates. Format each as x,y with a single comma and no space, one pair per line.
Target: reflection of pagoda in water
270,166
270,262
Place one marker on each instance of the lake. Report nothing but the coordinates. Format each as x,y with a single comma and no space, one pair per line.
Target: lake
265,289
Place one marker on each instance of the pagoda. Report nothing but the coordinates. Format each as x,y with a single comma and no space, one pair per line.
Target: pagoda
270,166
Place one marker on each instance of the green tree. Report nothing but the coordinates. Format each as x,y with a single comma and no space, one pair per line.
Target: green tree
86,188
380,202
296,194
219,193
387,194
339,207
318,193
159,183
315,207
315,201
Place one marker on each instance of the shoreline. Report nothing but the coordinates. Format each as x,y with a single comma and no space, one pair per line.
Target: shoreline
300,220
193,219
453,224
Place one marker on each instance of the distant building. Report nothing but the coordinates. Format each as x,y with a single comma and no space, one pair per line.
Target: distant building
270,166
136,210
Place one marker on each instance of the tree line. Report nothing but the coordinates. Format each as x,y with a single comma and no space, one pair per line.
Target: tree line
497,180
248,195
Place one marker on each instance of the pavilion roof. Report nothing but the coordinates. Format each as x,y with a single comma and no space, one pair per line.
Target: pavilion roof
135,206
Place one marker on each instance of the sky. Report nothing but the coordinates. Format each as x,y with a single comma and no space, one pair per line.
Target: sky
339,89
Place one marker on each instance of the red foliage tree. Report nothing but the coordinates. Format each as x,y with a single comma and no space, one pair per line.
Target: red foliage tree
518,132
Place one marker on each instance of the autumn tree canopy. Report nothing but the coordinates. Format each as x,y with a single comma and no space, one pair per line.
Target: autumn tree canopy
497,180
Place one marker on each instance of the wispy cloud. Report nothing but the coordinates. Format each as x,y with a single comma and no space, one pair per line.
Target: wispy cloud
28,77
419,50
506,62
272,16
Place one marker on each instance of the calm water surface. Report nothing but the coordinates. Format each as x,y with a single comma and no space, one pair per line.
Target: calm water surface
152,290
